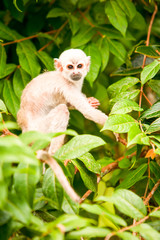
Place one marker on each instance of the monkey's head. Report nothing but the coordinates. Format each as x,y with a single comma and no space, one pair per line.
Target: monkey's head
73,64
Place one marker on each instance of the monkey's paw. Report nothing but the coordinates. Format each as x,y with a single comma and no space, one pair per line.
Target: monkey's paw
93,102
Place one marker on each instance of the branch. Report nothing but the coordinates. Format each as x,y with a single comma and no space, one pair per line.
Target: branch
129,227
150,195
45,157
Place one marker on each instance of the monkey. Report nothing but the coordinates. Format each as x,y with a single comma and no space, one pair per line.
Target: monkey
46,99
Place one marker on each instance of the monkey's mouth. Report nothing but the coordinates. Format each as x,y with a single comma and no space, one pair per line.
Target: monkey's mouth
76,77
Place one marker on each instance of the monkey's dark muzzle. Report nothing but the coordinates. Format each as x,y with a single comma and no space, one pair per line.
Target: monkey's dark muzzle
76,77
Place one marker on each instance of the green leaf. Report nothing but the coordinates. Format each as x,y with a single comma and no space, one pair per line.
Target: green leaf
126,72
27,58
46,59
155,214
78,146
141,139
89,232
3,195
52,189
9,68
117,49
92,51
146,231
116,16
20,80
154,127
83,36
11,100
127,203
74,24
120,123
149,71
56,12
90,163
133,177
128,7
89,178
4,217
72,221
99,210
125,95
3,107
7,33
25,183
127,236
3,58
18,207
152,112
103,47
155,85
149,51
121,86
125,106
13,150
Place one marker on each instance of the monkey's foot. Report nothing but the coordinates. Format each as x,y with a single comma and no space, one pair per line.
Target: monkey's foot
93,102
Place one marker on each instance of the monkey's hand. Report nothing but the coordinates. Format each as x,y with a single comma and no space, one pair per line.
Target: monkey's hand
93,102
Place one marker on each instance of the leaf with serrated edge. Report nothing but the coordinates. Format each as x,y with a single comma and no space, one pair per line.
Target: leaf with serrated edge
78,146
125,106
120,123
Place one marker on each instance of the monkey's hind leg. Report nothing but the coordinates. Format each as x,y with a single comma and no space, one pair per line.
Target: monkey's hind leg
57,121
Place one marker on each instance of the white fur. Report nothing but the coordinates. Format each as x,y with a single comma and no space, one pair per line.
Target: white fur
45,100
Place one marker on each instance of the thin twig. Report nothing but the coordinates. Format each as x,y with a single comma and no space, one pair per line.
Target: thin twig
129,227
150,195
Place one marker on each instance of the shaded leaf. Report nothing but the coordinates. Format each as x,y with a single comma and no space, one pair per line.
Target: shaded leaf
46,59
52,188
90,163
103,47
128,7
117,49
133,177
149,51
78,146
154,127
127,72
7,33
3,107
56,12
3,58
116,16
155,85
153,111
9,68
92,51
11,100
89,178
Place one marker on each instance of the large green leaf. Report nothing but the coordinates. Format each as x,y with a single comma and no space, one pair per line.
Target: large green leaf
78,146
133,177
92,51
120,123
147,232
127,236
25,182
20,80
3,58
121,86
117,49
149,51
13,150
9,68
103,47
89,178
116,16
89,232
7,33
125,106
83,36
152,112
128,7
56,12
11,100
90,163
150,71
127,203
46,59
125,95
27,58
99,210
155,126
52,188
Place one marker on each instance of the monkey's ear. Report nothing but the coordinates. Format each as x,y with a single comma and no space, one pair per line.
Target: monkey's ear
88,63
58,65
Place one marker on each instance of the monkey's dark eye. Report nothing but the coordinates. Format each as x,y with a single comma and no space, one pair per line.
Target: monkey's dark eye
70,66
79,65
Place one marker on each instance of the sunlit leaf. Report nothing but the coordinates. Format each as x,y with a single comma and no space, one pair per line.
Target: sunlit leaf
152,112
154,126
146,231
125,106
150,71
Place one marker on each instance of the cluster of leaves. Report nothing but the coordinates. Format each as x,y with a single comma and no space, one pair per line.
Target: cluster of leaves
34,205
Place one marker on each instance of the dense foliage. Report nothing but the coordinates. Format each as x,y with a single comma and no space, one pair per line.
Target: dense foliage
121,179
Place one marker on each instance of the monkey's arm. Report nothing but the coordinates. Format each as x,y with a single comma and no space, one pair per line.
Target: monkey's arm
80,102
